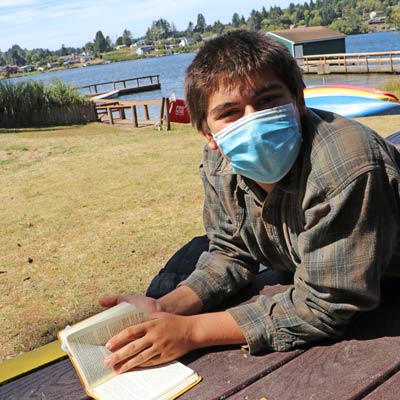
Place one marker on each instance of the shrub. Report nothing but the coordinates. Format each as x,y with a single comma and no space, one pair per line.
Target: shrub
31,103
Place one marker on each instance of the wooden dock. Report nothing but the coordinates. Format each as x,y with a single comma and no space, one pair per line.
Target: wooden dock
351,63
122,87
135,113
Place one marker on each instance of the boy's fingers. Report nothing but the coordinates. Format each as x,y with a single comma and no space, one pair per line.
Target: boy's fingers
109,301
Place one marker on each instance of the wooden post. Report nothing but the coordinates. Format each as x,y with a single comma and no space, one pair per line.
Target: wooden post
167,114
122,113
134,116
110,116
146,111
162,108
391,63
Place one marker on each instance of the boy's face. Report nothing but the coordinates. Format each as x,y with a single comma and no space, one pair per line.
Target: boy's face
227,105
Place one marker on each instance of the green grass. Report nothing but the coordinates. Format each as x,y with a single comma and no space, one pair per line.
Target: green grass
120,55
87,211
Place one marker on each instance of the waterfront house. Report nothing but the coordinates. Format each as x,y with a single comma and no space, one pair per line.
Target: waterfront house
185,42
143,50
310,41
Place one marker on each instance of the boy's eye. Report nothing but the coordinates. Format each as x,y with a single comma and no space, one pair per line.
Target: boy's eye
266,100
228,113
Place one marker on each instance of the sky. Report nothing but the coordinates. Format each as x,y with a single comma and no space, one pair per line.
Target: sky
50,23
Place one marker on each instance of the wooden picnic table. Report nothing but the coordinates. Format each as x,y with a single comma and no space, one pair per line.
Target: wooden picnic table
364,364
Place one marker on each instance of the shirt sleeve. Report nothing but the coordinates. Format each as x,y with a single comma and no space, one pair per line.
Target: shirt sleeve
348,240
227,266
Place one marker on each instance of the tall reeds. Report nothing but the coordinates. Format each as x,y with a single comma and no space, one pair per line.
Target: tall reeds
29,103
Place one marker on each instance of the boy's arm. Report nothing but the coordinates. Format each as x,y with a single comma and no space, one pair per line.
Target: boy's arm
167,336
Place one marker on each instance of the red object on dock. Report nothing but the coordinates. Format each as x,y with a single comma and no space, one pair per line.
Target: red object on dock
178,111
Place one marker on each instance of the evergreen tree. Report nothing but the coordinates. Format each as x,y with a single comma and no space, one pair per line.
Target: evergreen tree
100,43
201,24
63,50
254,22
126,38
236,20
189,29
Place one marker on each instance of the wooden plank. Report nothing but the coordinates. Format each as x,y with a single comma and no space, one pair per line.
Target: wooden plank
56,382
226,372
389,390
26,362
346,370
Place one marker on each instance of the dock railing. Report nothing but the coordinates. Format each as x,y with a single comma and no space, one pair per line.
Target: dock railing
148,81
347,63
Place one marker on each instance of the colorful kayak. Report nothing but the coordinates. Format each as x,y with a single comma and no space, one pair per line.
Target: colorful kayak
352,101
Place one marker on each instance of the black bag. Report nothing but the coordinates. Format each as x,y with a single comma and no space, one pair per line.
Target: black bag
178,267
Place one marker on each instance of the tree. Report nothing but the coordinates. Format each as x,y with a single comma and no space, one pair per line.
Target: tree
254,22
63,50
236,20
395,18
189,29
2,60
218,27
16,55
201,24
159,29
126,37
100,43
89,46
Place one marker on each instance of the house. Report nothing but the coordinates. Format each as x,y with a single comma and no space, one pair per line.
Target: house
143,50
121,46
185,41
9,69
310,41
53,65
86,56
27,68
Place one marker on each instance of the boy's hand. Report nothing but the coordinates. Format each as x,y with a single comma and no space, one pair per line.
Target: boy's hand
152,305
165,337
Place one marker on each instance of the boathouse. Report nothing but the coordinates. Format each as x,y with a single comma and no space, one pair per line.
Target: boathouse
309,41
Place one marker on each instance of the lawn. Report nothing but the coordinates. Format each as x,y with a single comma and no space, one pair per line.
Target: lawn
87,211
84,212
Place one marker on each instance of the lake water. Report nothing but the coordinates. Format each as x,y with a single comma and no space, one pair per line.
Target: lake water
172,69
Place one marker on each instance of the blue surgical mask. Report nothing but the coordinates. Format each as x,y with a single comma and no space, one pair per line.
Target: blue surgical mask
264,145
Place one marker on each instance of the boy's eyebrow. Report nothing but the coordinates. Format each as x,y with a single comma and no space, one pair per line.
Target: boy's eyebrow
267,87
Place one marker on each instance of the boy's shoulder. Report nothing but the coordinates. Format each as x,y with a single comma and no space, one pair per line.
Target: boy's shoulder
341,149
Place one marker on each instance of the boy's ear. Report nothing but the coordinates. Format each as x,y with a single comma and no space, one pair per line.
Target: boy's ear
209,138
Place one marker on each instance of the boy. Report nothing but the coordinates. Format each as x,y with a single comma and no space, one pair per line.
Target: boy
302,191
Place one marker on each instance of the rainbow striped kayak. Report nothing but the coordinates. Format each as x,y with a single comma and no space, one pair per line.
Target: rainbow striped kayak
352,101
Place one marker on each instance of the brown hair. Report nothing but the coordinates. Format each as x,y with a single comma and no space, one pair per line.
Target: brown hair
233,57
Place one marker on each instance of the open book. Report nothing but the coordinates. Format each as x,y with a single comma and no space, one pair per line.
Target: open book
85,345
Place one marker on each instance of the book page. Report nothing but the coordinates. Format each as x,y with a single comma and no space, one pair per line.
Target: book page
147,383
87,345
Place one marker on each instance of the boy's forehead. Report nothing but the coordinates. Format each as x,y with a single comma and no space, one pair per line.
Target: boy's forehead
247,86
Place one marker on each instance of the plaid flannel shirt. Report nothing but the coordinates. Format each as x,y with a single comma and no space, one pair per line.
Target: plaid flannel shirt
333,222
